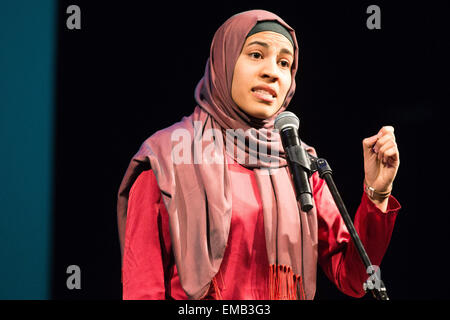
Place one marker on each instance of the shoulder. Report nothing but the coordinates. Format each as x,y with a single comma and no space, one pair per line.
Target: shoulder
145,187
165,137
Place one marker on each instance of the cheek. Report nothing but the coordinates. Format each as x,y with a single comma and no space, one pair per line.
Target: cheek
285,85
238,87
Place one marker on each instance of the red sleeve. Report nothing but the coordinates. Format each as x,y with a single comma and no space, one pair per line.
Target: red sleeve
338,256
147,252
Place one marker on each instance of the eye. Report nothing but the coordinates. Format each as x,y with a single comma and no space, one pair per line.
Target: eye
285,63
256,55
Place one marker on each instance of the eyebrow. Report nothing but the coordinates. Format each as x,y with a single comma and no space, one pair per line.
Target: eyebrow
265,45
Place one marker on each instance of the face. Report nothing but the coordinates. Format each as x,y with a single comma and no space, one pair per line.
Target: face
262,74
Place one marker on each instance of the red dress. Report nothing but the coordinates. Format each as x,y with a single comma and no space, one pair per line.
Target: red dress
148,267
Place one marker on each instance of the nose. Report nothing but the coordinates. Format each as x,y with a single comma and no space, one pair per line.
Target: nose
269,70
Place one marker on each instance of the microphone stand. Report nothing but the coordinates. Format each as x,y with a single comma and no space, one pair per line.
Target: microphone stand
373,284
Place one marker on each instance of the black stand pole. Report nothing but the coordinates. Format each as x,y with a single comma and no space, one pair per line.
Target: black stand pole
373,284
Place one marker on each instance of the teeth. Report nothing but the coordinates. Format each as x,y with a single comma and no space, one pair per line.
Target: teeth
264,92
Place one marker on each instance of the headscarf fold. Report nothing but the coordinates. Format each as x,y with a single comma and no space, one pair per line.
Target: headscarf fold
197,192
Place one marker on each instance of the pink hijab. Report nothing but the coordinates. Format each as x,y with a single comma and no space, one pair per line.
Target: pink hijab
198,196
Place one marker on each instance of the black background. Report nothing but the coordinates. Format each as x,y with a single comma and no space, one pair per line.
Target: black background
132,70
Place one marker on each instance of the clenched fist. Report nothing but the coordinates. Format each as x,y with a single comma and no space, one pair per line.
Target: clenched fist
381,162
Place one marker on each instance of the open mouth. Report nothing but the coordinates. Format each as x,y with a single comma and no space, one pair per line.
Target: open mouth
263,94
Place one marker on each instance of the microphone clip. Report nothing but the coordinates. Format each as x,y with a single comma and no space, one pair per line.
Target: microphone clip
318,164
309,163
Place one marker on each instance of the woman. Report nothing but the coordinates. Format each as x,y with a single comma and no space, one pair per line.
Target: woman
231,228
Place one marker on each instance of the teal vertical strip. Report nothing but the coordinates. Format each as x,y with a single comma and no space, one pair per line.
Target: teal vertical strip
27,62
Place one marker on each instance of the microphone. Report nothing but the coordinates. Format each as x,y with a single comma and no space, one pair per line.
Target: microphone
287,123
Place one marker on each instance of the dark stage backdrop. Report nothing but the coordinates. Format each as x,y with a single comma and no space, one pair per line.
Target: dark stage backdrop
132,68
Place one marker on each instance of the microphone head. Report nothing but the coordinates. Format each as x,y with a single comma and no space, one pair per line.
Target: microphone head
286,119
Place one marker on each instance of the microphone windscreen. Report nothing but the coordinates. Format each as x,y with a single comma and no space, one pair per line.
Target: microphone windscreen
286,119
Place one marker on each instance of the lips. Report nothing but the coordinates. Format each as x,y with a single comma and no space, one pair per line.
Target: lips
265,89
264,93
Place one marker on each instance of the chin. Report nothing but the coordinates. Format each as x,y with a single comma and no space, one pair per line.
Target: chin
264,112
259,111
263,115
